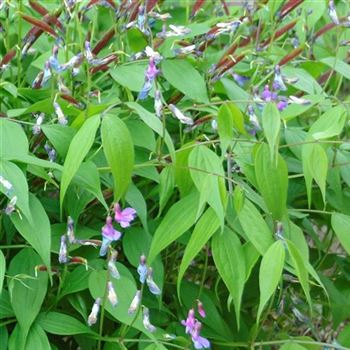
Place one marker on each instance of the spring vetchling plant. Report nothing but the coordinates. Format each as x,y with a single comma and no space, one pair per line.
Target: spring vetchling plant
174,174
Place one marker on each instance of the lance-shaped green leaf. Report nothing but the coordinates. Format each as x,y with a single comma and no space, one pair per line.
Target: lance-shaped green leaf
341,225
255,227
300,268
272,178
206,226
208,176
37,232
13,140
2,269
184,77
12,173
270,273
271,122
229,259
180,217
119,151
329,124
26,291
315,166
78,149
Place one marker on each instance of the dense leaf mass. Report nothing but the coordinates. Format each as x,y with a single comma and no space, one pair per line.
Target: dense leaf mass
174,174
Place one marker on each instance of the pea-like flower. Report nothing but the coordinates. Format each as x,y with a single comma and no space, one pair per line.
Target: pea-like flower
125,216
152,286
150,74
179,115
7,185
200,308
189,322
112,295
332,12
92,319
146,320
199,342
60,115
158,106
278,83
254,121
135,303
109,235
39,120
70,230
142,269
11,206
51,152
62,256
112,268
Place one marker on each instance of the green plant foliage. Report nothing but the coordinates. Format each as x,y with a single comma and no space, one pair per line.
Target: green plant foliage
174,174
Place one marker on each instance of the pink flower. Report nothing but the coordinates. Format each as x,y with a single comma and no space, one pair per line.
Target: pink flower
109,234
200,307
189,322
124,217
198,341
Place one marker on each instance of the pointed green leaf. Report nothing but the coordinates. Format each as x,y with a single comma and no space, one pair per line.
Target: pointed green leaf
13,140
270,273
271,122
37,232
184,77
2,269
255,227
180,217
119,152
229,259
272,178
206,226
37,339
78,149
341,225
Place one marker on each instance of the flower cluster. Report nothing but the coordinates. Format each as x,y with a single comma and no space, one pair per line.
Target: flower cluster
193,327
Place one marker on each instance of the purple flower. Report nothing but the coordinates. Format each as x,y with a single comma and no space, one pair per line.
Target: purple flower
112,295
253,119
11,206
189,322
179,115
153,287
142,269
112,268
62,120
278,83
147,86
158,106
198,341
37,127
70,230
200,307
125,216
240,79
268,95
135,303
88,53
281,105
150,74
47,74
146,321
62,256
109,234
92,319
50,152
332,12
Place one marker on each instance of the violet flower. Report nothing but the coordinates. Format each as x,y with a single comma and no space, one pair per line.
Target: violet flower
47,73
109,234
179,115
333,13
142,269
92,319
175,31
189,322
88,53
158,106
240,79
201,310
62,256
198,341
70,230
11,206
112,268
185,50
150,74
135,303
125,216
278,83
37,127
62,120
282,104
7,185
146,321
152,286
267,95
112,295
253,118
51,152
